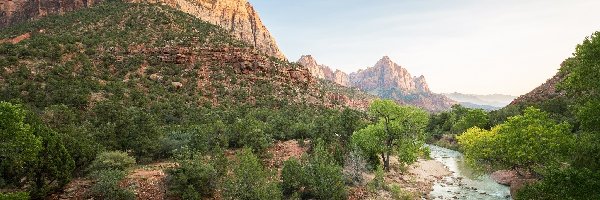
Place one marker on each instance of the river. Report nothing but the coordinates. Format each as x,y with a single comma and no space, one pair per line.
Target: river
463,184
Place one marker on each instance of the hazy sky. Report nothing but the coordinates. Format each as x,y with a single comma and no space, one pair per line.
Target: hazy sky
469,46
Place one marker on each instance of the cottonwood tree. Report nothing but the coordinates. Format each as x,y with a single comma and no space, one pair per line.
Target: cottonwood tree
526,143
399,129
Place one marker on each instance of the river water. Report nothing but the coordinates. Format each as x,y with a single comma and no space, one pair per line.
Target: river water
463,184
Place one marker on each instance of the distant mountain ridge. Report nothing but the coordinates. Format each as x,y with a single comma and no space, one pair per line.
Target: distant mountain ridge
487,102
385,79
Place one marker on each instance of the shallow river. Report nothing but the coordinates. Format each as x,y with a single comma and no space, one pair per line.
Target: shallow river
462,184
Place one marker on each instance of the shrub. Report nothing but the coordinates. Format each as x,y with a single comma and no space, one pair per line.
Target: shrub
14,196
112,160
18,145
249,180
354,166
107,186
173,142
378,183
326,178
570,183
193,179
251,133
292,176
400,194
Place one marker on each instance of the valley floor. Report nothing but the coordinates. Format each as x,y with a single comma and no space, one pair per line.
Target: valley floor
149,181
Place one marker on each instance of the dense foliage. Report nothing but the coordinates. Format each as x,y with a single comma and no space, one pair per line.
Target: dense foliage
527,143
399,130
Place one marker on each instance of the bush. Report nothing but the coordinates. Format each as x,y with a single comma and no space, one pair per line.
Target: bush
112,160
319,178
251,133
292,176
249,180
354,166
567,183
14,196
378,183
193,179
107,186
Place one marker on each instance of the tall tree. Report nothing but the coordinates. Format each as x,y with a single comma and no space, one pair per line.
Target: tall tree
398,129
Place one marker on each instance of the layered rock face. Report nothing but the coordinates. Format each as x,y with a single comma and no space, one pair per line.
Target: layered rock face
324,72
15,11
236,16
387,74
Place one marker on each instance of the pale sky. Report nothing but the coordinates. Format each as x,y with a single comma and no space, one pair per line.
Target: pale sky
468,46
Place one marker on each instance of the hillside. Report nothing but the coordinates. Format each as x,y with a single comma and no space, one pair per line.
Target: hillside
237,17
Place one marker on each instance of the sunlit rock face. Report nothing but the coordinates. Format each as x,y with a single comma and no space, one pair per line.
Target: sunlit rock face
324,72
387,75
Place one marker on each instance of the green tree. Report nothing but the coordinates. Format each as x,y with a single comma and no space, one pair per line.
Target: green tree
471,118
582,75
399,129
54,166
193,179
527,143
18,144
249,180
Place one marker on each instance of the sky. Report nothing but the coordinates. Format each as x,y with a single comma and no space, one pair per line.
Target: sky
467,46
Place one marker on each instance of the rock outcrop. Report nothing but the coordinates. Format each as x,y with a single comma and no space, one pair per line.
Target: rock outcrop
388,75
15,11
236,16
324,72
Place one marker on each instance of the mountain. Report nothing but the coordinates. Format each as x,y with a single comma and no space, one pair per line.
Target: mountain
542,93
323,72
238,17
385,79
388,75
389,80
486,102
120,52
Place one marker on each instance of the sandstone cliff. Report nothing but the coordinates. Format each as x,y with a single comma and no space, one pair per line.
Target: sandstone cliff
15,11
324,72
236,16
387,74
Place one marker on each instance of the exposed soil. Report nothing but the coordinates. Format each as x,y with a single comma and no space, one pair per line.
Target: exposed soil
149,182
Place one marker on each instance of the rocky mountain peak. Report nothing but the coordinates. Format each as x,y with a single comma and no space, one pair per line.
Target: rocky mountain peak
323,72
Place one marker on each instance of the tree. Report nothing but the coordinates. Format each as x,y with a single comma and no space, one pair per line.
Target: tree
249,180
529,142
18,145
54,166
471,118
398,129
582,75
